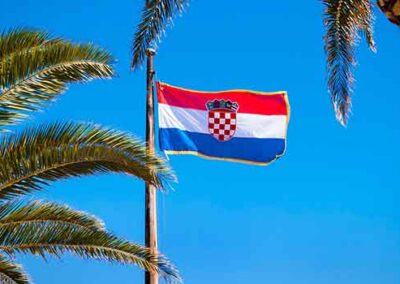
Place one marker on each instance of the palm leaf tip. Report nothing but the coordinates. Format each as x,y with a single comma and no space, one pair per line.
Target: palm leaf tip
344,20
12,273
156,15
342,110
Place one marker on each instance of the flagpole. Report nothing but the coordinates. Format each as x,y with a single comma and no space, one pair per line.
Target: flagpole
150,194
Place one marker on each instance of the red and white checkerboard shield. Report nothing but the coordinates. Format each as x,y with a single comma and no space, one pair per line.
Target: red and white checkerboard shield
222,123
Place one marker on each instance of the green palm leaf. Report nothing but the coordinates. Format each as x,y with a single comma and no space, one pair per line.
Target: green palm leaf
35,68
344,19
11,273
54,229
16,40
155,17
52,152
39,213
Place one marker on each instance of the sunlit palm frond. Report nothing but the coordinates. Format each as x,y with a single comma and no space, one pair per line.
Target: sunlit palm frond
19,39
12,273
39,61
15,213
155,17
391,8
46,153
51,233
344,19
35,68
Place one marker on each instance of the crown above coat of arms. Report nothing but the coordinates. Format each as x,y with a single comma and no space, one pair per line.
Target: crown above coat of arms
224,104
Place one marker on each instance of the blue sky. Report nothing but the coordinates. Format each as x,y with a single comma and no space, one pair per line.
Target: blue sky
327,212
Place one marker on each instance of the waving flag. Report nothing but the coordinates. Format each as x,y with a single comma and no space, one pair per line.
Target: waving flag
236,125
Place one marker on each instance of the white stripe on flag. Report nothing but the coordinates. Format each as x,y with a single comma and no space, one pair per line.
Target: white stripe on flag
248,125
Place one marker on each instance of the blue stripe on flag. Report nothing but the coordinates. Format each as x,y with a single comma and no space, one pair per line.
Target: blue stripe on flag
260,150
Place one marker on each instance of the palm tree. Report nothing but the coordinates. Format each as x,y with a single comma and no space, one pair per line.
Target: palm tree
344,21
34,69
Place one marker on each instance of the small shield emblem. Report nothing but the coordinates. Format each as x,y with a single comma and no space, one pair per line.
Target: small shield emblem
222,119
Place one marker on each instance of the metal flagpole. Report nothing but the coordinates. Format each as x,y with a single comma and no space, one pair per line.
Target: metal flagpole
150,194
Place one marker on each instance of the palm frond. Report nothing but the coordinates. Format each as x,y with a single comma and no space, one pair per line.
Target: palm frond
155,17
344,19
19,39
391,9
35,68
14,214
51,152
11,273
366,24
54,238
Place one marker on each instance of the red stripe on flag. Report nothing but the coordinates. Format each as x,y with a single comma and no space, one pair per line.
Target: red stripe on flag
249,101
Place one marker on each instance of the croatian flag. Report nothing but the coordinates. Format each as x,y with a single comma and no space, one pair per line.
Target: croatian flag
236,125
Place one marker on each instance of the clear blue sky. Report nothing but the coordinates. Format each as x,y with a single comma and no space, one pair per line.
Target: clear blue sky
328,212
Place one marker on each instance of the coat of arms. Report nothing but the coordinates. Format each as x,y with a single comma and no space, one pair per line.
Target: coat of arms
222,119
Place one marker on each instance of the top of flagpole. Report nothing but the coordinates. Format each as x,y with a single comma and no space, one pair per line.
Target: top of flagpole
150,52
